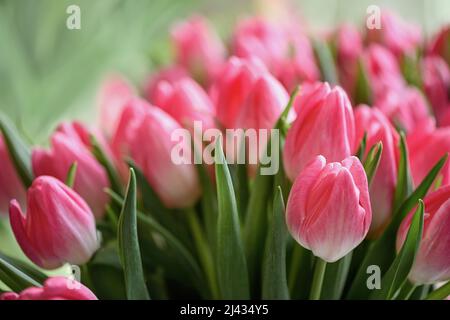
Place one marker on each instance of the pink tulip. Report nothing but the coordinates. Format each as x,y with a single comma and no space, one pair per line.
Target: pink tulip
58,227
426,147
405,107
328,210
230,91
378,128
436,82
349,48
324,125
170,74
69,146
55,288
440,44
382,70
114,93
11,186
151,148
198,48
432,263
186,102
400,37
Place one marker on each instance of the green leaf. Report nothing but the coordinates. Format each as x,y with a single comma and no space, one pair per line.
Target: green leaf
101,157
382,251
441,293
363,90
398,272
404,181
372,161
281,123
325,61
70,179
411,69
129,245
18,150
26,268
14,278
362,148
231,263
335,278
274,266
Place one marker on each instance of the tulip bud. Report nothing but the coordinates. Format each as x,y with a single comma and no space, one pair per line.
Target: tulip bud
11,186
58,227
328,210
432,263
324,125
151,147
186,102
406,108
231,90
400,37
383,70
55,288
436,82
69,146
114,93
198,48
377,128
426,147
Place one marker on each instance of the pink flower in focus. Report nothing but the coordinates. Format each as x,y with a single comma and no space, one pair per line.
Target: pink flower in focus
328,210
58,227
55,288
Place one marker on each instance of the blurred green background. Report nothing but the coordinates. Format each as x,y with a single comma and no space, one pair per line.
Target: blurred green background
49,73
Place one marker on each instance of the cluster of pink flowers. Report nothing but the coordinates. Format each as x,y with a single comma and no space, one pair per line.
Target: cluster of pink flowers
331,207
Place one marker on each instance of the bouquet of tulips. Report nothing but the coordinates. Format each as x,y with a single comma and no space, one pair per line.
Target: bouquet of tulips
284,165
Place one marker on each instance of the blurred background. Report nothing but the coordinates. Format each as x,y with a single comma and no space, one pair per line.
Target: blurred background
49,73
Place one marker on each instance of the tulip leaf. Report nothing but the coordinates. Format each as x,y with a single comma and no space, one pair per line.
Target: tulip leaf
363,91
18,150
335,278
325,61
382,252
274,284
232,269
14,278
410,68
101,157
282,122
404,181
129,245
398,272
26,268
71,174
362,148
372,161
441,293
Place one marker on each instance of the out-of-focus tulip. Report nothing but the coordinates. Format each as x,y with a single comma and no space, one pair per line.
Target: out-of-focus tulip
114,93
328,210
283,48
10,185
198,48
378,128
426,147
58,227
405,107
399,36
441,44
151,148
432,263
349,48
324,125
383,70
169,74
69,146
186,102
55,288
231,89
436,82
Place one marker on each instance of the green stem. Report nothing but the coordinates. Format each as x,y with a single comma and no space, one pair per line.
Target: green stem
86,277
319,273
294,266
204,252
406,291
